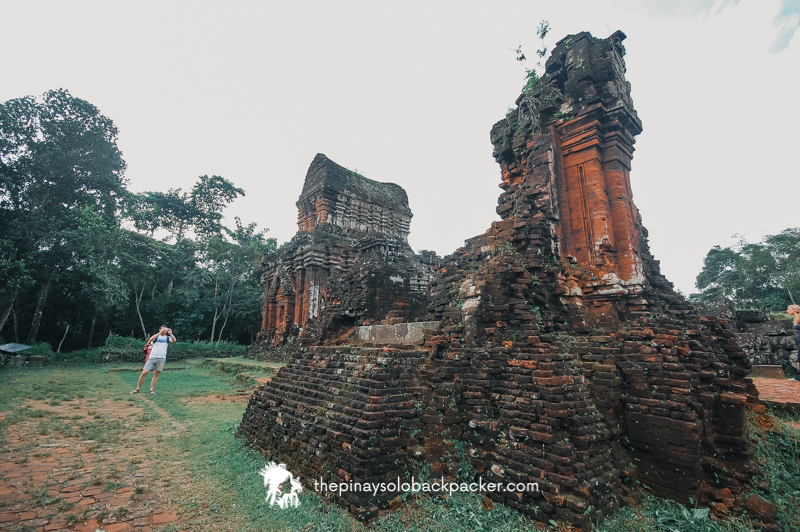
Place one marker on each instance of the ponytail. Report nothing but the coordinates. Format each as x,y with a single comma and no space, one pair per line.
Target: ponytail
796,309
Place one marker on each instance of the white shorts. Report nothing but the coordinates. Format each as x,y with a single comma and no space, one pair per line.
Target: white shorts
155,363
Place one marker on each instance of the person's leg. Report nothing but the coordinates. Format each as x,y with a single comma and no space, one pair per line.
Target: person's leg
797,368
141,378
158,367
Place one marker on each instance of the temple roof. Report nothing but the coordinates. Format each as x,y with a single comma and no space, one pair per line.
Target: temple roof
328,177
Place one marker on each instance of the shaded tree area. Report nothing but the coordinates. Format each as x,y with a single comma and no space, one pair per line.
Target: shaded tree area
81,256
763,275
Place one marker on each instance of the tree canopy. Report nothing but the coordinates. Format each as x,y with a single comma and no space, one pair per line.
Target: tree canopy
78,250
761,275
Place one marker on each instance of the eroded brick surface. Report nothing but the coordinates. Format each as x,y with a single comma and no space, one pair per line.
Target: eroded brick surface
349,264
560,354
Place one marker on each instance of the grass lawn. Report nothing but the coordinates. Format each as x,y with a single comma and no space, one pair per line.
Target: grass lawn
175,452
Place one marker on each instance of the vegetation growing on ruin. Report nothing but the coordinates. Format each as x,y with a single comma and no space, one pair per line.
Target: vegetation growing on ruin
531,76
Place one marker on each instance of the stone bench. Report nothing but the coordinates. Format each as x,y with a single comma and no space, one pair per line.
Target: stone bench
769,372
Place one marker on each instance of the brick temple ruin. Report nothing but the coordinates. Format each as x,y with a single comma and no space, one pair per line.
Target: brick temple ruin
350,260
550,349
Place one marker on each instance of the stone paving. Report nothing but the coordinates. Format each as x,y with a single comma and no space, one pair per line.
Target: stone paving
55,480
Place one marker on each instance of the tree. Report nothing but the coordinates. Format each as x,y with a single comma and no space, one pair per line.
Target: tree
74,272
58,157
762,275
785,250
199,210
139,257
235,274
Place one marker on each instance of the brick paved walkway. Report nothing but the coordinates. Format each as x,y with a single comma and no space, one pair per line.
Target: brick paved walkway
61,483
779,391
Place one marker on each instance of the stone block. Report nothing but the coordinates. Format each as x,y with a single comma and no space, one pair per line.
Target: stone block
396,334
751,315
769,372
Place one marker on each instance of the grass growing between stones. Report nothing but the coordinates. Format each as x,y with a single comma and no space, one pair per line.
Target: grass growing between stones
193,419
779,456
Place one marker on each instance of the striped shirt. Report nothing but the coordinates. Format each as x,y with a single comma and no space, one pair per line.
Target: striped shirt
160,347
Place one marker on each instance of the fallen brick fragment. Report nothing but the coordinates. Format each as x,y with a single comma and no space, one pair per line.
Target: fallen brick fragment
761,508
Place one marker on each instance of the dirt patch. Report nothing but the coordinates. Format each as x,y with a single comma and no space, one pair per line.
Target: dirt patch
85,465
215,399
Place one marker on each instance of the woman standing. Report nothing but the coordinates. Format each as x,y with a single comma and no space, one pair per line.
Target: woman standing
794,310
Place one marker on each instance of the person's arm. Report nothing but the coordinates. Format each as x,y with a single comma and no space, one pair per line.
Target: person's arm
150,341
171,336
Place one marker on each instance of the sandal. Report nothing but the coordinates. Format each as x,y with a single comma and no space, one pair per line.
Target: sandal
153,392
134,391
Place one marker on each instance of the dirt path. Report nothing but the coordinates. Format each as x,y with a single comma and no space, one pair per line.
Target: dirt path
85,465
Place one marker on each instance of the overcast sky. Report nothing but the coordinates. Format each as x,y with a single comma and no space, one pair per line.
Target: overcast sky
406,92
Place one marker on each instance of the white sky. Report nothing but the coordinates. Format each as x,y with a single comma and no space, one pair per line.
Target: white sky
407,91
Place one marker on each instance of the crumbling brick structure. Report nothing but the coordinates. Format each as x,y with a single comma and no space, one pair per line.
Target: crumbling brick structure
350,262
554,350
764,340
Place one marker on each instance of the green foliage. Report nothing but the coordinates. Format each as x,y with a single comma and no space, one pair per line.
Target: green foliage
131,350
41,349
79,356
73,272
199,210
685,520
61,192
541,31
531,76
778,452
662,515
531,79
221,349
763,275
122,342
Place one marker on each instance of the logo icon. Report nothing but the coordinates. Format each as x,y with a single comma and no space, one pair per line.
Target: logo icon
282,488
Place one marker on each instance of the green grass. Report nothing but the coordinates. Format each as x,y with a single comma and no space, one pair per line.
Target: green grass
654,514
780,315
231,491
779,456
